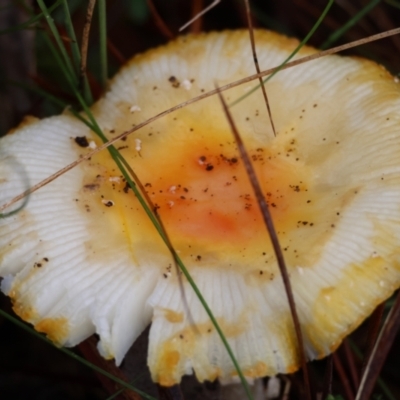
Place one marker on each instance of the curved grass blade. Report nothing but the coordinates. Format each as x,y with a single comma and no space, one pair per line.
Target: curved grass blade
335,36
25,201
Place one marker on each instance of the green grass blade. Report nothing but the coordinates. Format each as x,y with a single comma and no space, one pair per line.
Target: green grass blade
20,208
68,74
67,61
32,20
340,32
76,53
393,3
120,161
71,33
74,356
101,4
60,103
295,51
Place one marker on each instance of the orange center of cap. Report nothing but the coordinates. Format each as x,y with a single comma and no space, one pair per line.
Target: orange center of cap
204,194
200,188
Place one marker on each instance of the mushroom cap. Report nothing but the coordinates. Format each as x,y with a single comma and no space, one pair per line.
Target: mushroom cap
83,257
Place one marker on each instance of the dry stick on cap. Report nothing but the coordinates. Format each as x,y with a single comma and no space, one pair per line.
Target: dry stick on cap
223,88
269,224
82,257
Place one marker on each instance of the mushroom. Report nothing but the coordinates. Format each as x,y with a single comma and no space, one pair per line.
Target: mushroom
82,257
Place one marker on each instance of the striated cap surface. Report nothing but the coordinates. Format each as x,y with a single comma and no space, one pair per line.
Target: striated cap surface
83,257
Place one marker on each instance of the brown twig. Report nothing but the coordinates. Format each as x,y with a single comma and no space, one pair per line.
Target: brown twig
328,378
351,364
89,351
194,100
85,40
343,376
200,14
274,240
170,393
161,25
255,58
380,351
115,52
373,332
286,390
